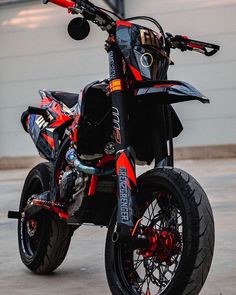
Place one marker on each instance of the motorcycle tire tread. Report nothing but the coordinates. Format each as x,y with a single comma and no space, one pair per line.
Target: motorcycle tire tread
200,246
57,234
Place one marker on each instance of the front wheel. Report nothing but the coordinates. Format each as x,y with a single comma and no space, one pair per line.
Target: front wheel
176,218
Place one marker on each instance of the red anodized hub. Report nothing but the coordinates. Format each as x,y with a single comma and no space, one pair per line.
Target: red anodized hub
162,245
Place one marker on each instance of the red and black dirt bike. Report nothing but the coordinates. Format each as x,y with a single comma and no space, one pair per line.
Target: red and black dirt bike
160,237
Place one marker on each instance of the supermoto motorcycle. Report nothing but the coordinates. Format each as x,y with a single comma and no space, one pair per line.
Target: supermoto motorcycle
160,237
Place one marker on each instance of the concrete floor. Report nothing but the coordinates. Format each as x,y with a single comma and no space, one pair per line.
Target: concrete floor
83,271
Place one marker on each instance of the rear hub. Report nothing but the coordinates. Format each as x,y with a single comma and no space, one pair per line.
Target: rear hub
31,227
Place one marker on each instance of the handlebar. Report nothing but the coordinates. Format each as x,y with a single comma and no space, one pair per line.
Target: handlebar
69,3
184,43
95,14
89,11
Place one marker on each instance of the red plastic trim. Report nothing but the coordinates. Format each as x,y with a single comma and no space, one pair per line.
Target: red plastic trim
123,161
94,179
196,46
63,3
123,23
136,73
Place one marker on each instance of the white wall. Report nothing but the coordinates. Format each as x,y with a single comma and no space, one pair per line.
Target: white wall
207,20
36,52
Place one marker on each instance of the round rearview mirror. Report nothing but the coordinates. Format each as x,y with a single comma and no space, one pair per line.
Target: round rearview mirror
78,28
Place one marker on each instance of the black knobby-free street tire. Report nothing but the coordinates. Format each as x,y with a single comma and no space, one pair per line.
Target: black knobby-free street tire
174,208
44,239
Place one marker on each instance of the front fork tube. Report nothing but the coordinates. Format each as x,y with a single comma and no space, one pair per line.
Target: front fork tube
127,189
125,155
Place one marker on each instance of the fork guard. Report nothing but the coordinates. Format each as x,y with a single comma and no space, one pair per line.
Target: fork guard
168,92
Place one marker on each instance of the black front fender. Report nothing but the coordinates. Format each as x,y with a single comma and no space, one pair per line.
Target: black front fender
168,92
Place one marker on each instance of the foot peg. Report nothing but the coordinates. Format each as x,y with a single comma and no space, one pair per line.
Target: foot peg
14,214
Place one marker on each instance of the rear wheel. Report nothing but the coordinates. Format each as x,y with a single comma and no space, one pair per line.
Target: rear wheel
177,220
44,239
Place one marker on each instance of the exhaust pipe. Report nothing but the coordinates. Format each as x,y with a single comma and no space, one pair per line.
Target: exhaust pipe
73,160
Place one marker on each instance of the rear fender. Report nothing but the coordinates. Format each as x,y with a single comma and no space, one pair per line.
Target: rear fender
168,92
47,133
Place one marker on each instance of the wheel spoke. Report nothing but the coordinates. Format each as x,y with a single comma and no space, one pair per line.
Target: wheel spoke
151,272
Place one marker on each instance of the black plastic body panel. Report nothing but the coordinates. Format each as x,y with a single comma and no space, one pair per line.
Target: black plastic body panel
143,51
169,92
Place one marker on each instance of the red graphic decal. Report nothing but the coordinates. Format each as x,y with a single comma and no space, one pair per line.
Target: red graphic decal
136,73
45,101
123,162
164,85
50,140
60,120
196,46
74,129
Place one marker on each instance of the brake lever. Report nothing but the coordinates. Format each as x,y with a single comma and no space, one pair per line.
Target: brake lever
184,43
204,50
202,47
210,53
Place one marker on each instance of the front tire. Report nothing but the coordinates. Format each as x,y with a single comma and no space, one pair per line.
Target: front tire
44,239
177,218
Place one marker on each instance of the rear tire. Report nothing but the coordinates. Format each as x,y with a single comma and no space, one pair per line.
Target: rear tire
171,204
43,240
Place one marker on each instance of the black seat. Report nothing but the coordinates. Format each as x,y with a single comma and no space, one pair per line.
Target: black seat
69,99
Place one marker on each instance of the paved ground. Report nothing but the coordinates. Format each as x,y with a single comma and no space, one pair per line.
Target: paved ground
83,271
